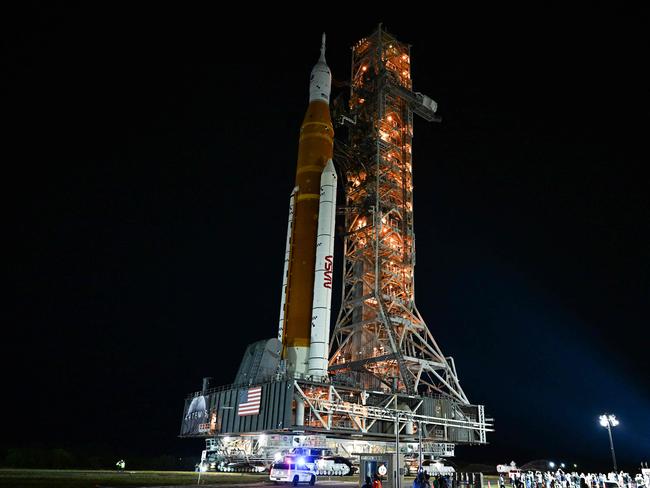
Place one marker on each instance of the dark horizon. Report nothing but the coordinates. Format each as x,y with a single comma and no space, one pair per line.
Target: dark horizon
145,258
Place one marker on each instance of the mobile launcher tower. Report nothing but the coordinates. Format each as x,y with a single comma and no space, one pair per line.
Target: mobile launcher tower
382,381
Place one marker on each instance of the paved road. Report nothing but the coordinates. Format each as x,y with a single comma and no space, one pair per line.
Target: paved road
328,483
334,483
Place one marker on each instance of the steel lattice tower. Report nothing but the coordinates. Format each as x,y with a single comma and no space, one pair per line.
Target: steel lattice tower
380,340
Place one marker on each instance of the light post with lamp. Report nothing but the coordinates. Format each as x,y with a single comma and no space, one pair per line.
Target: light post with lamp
609,421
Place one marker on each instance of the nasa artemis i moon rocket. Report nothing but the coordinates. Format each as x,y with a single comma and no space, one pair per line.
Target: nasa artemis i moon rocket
308,265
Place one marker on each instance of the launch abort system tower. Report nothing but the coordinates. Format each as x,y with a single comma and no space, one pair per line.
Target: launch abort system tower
387,385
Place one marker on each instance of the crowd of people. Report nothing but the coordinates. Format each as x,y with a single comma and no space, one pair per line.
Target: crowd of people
422,480
560,479
532,479
425,480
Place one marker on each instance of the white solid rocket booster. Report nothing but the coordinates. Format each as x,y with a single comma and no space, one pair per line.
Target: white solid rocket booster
287,255
322,302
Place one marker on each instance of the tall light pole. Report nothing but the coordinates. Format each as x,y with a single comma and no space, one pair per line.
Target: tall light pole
609,421
398,466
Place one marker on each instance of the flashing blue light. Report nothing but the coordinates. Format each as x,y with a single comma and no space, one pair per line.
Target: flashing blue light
301,461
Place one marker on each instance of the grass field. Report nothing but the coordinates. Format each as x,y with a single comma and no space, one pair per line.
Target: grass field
46,478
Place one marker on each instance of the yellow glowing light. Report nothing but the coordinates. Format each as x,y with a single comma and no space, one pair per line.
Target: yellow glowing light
364,68
390,118
404,57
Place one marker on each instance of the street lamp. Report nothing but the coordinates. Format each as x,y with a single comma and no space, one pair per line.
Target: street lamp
610,421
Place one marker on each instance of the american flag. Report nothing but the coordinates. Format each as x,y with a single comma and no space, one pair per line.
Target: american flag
249,401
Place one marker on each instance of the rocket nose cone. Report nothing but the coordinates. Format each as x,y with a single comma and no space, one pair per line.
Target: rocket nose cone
321,79
330,166
329,171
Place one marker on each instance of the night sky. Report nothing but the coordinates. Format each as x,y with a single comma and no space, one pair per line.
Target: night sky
149,157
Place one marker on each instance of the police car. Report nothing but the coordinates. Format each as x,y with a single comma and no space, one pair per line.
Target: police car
293,471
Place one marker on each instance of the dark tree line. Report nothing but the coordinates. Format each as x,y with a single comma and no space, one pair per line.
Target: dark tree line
63,458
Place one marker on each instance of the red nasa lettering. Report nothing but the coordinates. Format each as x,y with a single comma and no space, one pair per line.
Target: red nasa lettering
327,283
